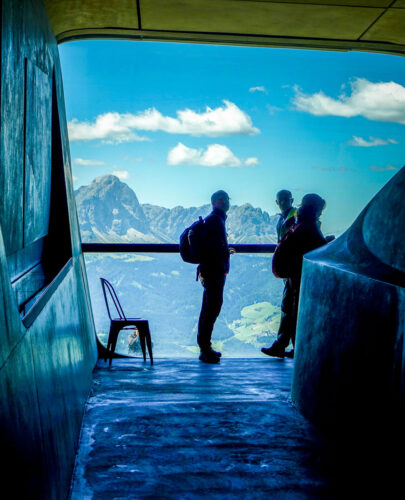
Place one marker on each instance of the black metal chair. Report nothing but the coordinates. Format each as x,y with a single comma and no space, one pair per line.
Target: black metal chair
124,323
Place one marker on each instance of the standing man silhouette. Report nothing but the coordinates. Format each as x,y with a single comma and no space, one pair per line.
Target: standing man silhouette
285,222
212,272
288,213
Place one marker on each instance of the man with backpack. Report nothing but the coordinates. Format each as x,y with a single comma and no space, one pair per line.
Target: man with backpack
303,237
212,272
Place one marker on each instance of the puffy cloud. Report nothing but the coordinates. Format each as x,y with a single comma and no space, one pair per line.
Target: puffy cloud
82,161
111,128
215,155
121,174
115,127
382,101
373,141
258,89
387,168
75,178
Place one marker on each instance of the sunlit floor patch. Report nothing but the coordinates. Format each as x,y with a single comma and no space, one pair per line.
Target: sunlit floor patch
183,429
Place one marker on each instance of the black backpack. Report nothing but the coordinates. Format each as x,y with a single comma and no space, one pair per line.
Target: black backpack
286,255
191,241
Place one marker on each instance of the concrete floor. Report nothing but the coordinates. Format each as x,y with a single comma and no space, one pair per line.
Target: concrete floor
183,429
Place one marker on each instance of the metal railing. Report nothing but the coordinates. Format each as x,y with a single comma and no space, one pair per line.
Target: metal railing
166,344
163,248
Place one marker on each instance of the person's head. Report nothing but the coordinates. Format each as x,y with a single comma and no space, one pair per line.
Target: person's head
284,200
313,203
220,199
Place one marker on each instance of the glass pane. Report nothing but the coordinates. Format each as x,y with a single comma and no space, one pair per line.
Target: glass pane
162,289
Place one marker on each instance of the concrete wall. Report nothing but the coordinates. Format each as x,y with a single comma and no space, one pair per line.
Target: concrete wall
350,360
47,343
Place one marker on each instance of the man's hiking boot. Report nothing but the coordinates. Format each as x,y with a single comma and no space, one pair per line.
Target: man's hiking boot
289,354
209,357
216,353
274,351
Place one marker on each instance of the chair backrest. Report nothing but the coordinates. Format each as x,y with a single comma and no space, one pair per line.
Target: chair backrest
110,295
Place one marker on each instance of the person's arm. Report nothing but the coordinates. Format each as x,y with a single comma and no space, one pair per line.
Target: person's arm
315,239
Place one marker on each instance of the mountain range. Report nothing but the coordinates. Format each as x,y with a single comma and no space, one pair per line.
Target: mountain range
109,211
162,288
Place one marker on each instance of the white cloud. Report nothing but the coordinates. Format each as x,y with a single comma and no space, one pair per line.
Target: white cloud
376,168
111,128
373,141
82,161
251,161
121,174
258,89
134,159
382,101
215,155
272,109
75,178
116,128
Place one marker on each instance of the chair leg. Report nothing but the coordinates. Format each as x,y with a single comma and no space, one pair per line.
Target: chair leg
149,343
142,342
116,331
109,342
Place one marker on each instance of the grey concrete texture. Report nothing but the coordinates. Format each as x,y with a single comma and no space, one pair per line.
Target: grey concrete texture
350,363
184,429
45,363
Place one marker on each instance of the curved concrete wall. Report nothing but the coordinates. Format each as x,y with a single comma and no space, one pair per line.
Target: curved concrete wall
383,225
350,362
46,357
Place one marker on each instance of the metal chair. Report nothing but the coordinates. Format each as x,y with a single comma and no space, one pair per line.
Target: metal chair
124,323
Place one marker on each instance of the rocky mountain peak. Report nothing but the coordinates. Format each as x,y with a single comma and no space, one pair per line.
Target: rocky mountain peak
109,210
109,206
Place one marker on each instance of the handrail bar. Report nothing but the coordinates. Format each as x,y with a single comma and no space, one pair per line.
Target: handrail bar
164,248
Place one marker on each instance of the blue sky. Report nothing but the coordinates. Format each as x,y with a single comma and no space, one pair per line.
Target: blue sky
309,121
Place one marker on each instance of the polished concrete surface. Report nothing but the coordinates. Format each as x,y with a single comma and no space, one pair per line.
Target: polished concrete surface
182,429
47,338
352,314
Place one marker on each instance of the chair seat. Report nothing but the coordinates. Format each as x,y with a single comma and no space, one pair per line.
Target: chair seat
122,320
129,323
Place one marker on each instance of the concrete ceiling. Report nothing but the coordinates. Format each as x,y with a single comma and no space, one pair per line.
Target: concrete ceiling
370,25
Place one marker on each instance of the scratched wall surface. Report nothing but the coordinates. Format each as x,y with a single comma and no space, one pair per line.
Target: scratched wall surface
47,347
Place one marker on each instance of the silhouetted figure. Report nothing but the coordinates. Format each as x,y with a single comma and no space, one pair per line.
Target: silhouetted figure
303,237
286,221
284,201
213,268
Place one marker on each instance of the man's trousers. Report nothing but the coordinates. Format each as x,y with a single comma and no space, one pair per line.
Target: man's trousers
210,308
289,311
